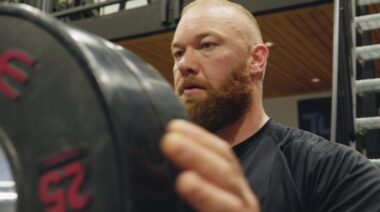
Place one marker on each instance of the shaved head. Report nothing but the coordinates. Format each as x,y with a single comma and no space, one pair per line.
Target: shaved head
250,29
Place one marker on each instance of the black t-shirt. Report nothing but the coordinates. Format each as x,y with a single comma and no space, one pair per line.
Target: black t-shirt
294,170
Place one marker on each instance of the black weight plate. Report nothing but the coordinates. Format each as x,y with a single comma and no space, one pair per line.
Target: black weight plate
84,117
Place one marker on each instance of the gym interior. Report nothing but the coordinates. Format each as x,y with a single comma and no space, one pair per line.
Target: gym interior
322,77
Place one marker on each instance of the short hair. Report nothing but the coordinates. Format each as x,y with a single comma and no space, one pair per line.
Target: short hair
236,7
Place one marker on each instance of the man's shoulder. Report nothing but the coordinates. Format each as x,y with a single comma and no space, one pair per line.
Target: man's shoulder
333,173
286,137
296,144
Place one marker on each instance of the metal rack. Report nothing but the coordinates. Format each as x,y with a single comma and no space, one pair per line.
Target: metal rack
355,115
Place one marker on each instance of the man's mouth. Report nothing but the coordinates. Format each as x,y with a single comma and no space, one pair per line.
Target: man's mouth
192,88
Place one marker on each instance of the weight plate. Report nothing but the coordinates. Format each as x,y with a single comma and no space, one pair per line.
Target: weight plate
84,117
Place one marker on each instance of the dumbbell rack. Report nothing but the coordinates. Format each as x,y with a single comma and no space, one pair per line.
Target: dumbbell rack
360,54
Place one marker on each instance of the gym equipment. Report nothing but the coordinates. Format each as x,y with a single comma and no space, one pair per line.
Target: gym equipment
80,121
355,119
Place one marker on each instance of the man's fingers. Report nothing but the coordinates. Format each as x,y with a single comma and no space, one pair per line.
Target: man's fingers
202,137
211,178
187,154
192,156
204,196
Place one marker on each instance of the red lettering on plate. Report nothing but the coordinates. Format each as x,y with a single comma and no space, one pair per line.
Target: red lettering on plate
75,200
60,189
7,69
55,199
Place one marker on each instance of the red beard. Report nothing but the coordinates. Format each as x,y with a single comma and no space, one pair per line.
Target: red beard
222,106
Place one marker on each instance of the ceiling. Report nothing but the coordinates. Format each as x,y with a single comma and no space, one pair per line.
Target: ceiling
302,50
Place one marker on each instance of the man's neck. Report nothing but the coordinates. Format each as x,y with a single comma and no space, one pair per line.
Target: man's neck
247,125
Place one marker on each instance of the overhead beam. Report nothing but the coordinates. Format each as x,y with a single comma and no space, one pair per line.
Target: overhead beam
158,17
259,7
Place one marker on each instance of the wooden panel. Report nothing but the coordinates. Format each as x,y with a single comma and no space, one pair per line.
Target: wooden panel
302,50
155,50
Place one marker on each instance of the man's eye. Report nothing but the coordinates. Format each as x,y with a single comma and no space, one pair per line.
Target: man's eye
207,45
178,54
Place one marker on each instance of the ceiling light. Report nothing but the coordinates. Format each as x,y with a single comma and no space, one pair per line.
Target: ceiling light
269,44
315,80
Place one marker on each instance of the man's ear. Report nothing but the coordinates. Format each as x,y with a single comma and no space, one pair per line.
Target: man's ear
259,54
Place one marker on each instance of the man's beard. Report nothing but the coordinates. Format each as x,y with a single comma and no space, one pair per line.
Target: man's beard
222,106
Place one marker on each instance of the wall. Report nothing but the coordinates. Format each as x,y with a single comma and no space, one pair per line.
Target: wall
284,109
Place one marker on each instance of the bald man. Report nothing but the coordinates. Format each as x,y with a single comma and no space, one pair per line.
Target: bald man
220,62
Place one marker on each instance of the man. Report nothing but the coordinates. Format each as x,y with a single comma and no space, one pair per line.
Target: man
220,61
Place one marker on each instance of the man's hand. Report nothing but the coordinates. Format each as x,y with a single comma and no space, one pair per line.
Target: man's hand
211,178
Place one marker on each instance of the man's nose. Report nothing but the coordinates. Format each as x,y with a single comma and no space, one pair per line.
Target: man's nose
189,63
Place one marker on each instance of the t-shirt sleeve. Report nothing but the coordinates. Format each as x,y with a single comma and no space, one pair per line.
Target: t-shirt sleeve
340,179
